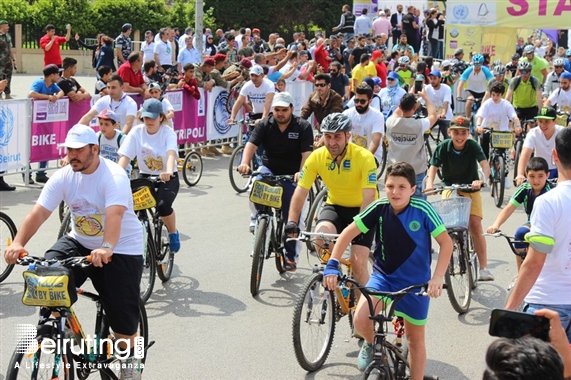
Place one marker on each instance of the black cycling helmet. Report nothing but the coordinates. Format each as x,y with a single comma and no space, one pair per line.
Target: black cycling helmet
335,123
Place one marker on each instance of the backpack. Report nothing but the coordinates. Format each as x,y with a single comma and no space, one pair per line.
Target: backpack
517,81
119,137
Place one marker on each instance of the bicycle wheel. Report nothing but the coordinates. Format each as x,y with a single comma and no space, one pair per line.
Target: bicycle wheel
192,168
165,257
313,214
457,277
517,148
62,209
7,233
377,371
498,180
397,359
149,269
258,256
65,226
238,182
383,163
313,323
41,365
474,263
107,333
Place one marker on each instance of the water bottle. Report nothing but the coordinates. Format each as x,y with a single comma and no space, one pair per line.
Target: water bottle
345,291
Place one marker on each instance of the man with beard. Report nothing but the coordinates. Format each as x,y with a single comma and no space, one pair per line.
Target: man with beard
368,123
288,141
323,100
339,81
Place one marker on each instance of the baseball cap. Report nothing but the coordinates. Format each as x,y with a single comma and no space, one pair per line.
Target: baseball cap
255,31
3,22
154,86
108,115
392,75
369,81
547,113
458,51
210,62
565,75
50,69
376,54
79,136
459,122
152,108
446,63
435,73
256,70
246,63
282,99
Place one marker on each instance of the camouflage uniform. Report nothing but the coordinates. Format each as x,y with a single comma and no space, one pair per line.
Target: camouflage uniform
200,75
218,80
6,64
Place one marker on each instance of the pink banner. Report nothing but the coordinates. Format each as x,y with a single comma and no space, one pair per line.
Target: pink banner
189,126
50,123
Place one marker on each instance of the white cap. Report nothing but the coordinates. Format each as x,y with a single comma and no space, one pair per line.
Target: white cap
282,99
446,63
257,70
79,136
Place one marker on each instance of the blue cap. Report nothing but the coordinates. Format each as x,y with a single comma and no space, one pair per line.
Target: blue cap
152,108
565,75
393,75
435,73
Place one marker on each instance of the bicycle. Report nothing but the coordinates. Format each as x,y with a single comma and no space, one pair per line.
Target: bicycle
500,142
59,323
191,168
518,144
268,231
240,183
477,102
7,233
390,358
462,272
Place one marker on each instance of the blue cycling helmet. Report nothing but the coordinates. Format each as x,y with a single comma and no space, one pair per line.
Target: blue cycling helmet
478,59
377,81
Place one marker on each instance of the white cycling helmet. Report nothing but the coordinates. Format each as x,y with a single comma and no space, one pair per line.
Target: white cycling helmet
336,122
558,62
404,60
524,66
529,49
499,70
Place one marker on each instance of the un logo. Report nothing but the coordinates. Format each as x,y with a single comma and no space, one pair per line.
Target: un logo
6,126
221,116
460,12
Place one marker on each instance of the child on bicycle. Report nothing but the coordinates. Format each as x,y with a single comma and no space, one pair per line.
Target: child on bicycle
404,228
537,172
458,158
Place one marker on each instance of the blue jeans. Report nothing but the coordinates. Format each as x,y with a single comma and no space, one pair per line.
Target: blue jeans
563,310
41,173
418,192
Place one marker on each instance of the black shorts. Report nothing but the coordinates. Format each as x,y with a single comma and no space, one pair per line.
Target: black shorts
476,95
524,114
341,217
116,282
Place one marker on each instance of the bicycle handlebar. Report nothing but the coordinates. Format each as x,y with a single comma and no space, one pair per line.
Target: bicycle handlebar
273,177
511,242
82,261
440,189
305,236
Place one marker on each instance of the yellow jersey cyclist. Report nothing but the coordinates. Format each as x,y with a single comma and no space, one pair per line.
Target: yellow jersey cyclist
525,93
350,174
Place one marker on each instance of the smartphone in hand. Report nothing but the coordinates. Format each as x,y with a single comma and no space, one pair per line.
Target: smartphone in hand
514,324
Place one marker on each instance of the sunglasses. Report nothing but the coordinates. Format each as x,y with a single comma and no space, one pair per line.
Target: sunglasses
402,65
361,101
391,79
558,67
477,64
524,72
320,84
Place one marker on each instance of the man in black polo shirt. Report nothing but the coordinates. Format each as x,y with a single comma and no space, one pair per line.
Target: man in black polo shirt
288,141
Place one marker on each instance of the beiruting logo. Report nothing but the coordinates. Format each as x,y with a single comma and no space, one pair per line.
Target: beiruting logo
26,343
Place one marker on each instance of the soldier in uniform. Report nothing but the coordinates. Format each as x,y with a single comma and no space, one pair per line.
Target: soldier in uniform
7,60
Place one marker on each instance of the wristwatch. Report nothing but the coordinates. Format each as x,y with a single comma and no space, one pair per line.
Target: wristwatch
107,245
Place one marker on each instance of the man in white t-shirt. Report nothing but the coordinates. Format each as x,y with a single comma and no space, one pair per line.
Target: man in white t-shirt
545,275
297,74
562,96
163,50
495,113
440,95
103,226
259,91
540,142
368,123
118,102
148,47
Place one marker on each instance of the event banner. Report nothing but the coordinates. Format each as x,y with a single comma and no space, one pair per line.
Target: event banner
496,41
217,117
14,134
189,126
468,38
50,123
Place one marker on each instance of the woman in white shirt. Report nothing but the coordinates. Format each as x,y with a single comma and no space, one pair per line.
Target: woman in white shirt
154,144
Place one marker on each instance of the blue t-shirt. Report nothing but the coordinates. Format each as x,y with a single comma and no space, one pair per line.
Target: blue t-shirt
403,244
487,73
40,87
524,194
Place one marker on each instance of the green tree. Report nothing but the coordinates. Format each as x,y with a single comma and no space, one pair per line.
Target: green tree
183,15
78,13
15,11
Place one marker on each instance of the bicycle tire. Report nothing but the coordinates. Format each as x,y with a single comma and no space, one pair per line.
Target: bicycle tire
165,257
21,362
498,181
313,214
383,163
517,148
65,226
319,318
149,269
377,371
277,242
457,277
239,184
192,169
142,332
258,255
62,209
474,263
7,233
397,357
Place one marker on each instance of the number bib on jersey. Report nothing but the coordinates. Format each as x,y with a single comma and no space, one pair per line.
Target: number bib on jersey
266,193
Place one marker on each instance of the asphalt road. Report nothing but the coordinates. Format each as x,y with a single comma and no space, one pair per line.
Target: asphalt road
204,321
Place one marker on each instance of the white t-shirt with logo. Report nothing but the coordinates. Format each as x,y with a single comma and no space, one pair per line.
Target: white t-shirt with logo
164,51
124,107
536,141
562,99
439,97
257,95
551,218
496,115
88,196
150,150
364,125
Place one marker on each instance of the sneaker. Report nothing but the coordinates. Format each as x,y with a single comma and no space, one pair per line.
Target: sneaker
485,275
174,241
42,179
290,266
365,356
130,369
6,187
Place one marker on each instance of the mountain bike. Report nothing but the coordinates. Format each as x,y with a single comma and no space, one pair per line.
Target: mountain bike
58,324
500,142
462,272
191,168
7,233
390,360
240,183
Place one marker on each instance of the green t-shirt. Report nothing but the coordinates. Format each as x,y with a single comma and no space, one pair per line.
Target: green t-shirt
525,96
537,64
458,167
